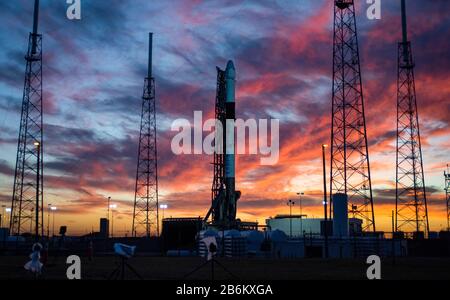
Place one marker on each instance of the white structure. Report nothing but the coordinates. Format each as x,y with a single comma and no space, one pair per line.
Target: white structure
340,215
300,226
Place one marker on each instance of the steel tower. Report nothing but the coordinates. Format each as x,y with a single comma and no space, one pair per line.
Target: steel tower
447,195
27,200
146,208
218,186
350,171
411,201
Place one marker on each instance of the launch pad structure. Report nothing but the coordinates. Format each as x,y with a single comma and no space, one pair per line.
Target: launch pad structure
27,207
411,198
224,197
350,168
146,203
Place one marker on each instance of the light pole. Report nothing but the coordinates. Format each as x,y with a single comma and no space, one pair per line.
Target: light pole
301,211
38,179
48,220
325,199
112,207
31,222
2,216
53,209
107,216
163,207
290,203
8,211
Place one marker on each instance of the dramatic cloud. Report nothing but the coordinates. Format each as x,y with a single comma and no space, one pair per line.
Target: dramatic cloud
94,72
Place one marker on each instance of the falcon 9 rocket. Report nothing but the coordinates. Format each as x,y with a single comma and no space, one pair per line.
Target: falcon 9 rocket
230,143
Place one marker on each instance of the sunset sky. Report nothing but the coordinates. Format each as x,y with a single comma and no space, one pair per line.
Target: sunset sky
94,72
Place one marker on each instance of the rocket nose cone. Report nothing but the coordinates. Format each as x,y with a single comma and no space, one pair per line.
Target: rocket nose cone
230,71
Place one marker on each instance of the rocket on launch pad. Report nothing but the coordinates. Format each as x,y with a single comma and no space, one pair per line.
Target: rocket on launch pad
225,196
230,140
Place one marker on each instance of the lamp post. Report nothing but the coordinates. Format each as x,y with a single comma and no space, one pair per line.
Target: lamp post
290,203
8,211
163,207
31,222
38,179
301,211
325,199
48,219
53,209
112,207
107,216
2,216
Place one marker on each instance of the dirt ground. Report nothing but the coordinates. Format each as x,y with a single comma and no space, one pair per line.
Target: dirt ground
163,268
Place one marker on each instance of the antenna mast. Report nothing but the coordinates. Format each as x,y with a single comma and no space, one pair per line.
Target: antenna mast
27,200
411,201
146,207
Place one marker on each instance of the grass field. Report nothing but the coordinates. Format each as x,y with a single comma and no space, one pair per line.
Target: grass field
160,268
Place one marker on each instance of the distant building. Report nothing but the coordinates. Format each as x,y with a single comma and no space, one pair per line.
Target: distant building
4,234
304,226
104,228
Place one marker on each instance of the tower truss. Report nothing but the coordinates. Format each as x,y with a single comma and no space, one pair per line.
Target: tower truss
219,156
146,208
350,168
27,200
411,201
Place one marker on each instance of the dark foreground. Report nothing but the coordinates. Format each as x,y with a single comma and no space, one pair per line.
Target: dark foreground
162,268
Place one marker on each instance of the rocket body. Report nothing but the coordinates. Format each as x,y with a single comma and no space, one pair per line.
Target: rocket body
230,141
230,106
